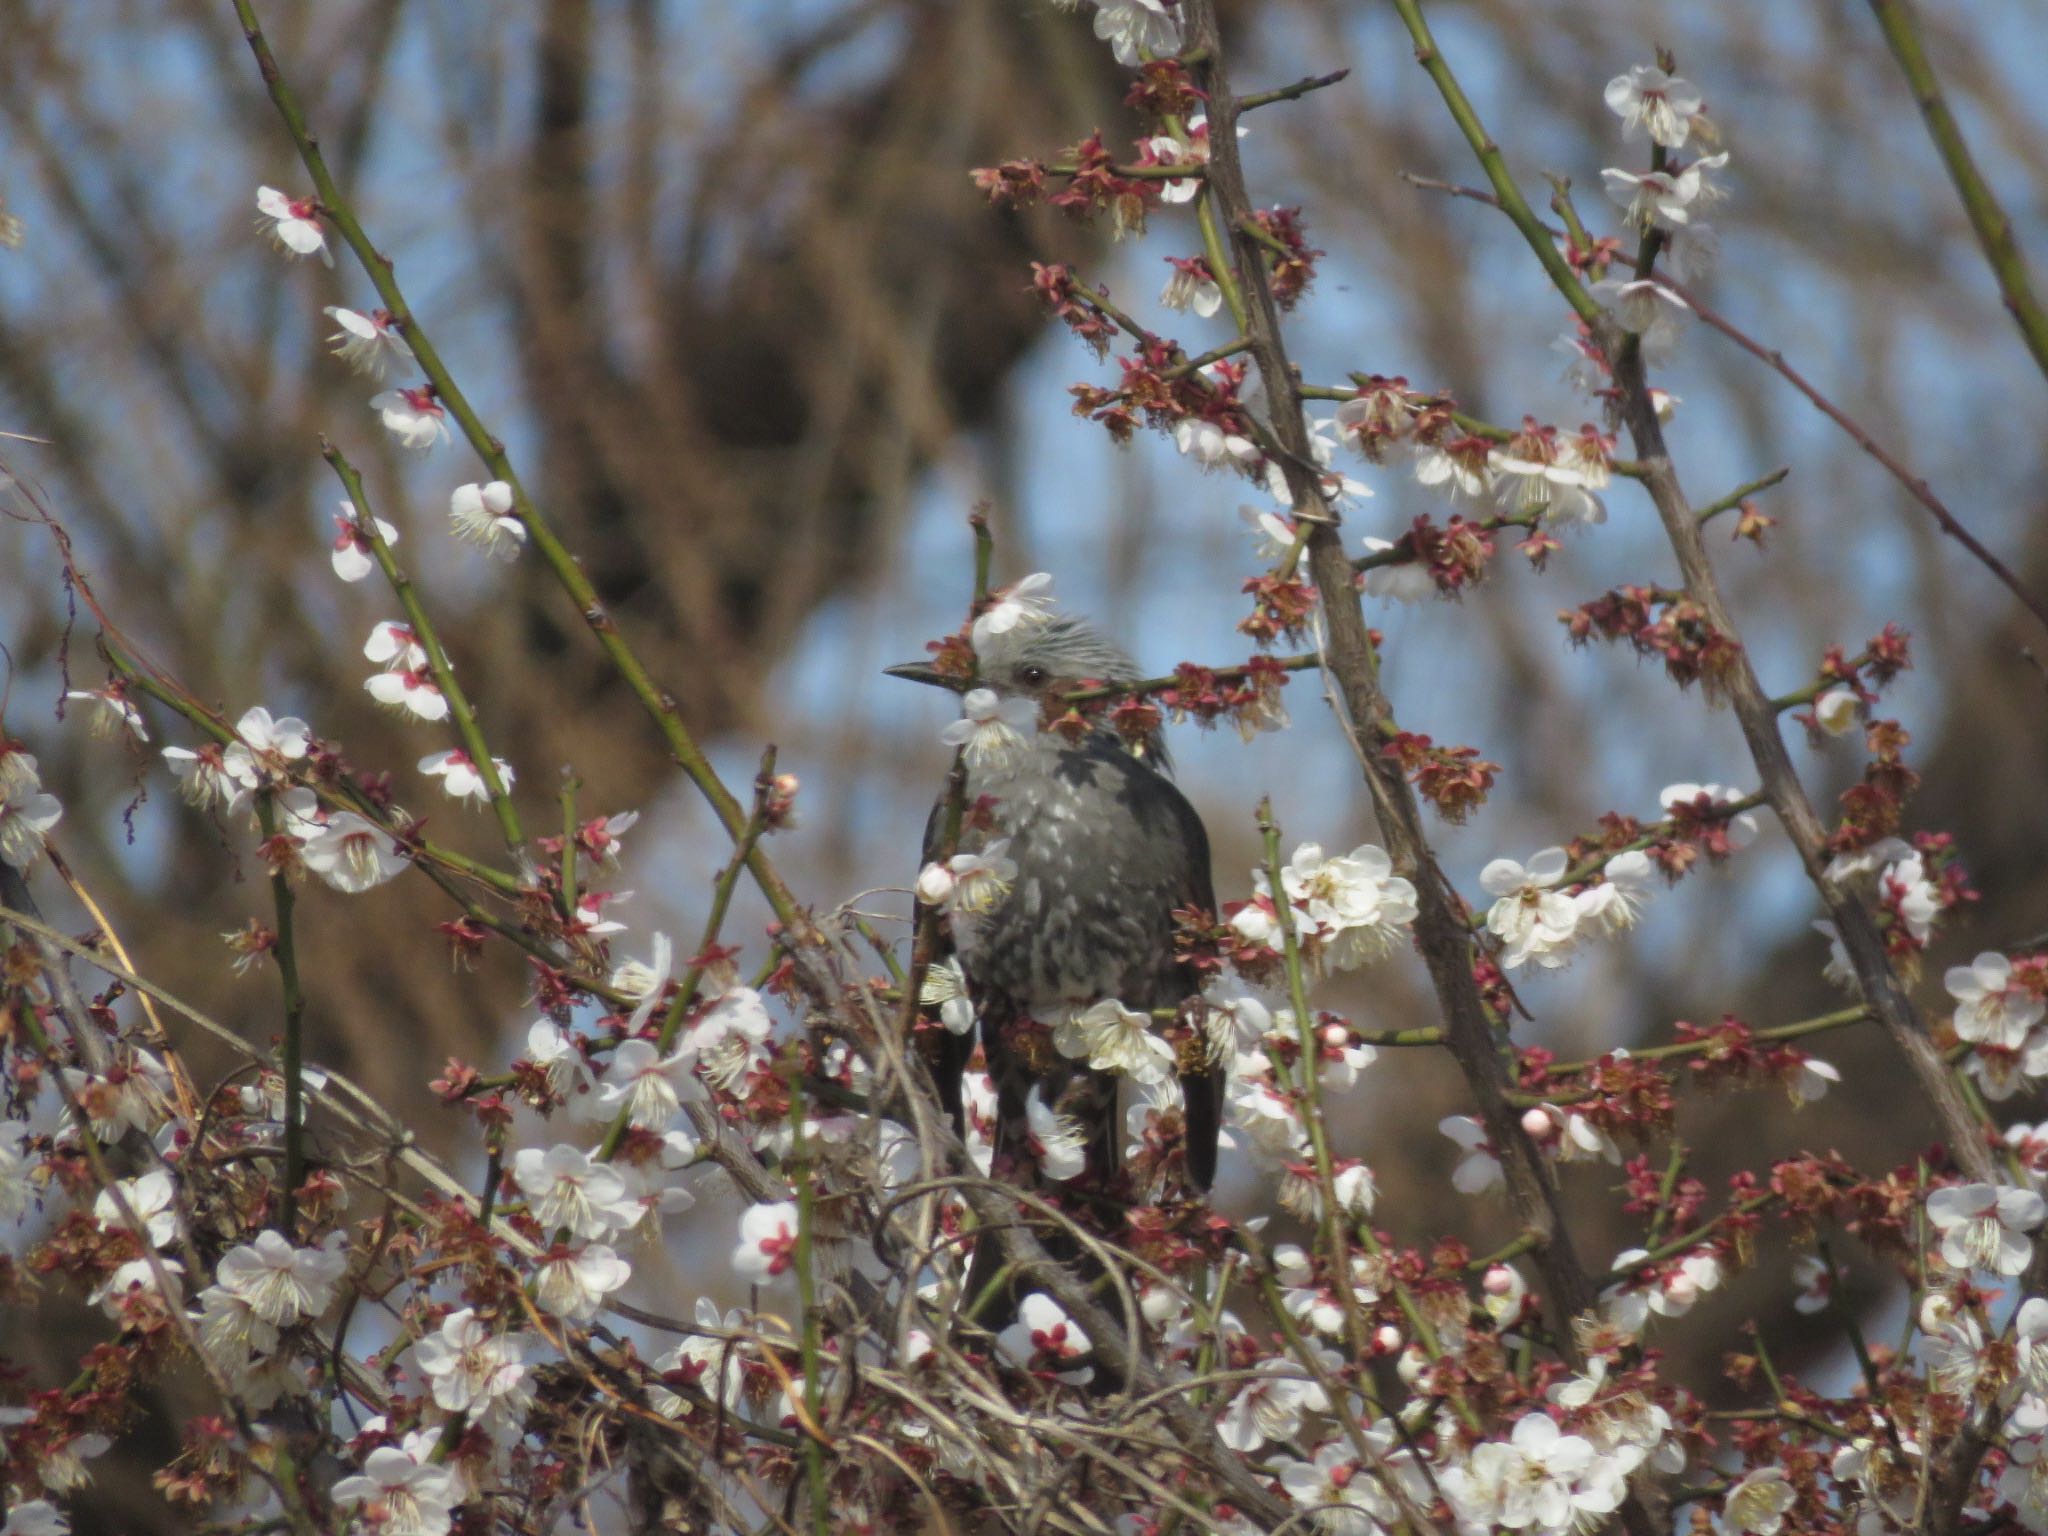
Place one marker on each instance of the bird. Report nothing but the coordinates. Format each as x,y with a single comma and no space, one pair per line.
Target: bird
1106,850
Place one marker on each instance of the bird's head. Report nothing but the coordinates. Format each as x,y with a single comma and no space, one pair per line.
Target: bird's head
1036,659
1042,659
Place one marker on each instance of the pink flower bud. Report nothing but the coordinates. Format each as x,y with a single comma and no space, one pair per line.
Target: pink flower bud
1500,1281
1539,1125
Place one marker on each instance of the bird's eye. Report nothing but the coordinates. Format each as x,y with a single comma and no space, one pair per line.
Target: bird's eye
1032,677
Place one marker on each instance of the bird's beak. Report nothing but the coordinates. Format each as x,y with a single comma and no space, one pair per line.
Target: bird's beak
924,672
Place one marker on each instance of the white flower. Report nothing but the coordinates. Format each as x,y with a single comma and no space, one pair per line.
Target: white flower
16,1193
279,1283
1044,1338
2025,1480
992,730
1359,905
367,343
565,1187
1135,28
555,1053
1982,1226
1209,445
352,854
1741,828
135,1284
1990,1010
1271,1406
1532,920
1479,1169
36,1517
1021,602
1114,1039
1569,1134
768,1240
711,1364
648,1086
412,693
413,416
354,555
970,883
1540,1478
1272,534
152,1200
482,515
1407,581
1056,1140
1464,474
573,1282
1647,100
945,986
264,747
471,1368
294,223
107,712
1347,1496
395,1495
1663,199
1757,1505
1187,288
133,1096
1614,905
395,647
2030,1344
24,824
1904,886
1811,1080
1835,710
460,776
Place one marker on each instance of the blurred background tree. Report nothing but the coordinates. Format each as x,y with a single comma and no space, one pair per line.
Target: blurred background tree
717,273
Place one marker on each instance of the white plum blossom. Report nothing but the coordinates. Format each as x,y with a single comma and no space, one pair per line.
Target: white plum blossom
1741,827
395,647
473,1369
1538,1479
293,223
1663,199
394,1495
992,730
1756,1506
1359,905
1272,534
2030,1344
768,1240
1135,29
17,1194
1190,287
1569,1135
1532,919
411,693
1348,1498
353,555
1056,1139
1211,445
279,1283
1649,101
25,823
945,988
134,1095
1479,1169
565,1187
461,778
709,1363
483,515
152,1200
1044,1338
648,1086
572,1282
1614,905
1868,860
1112,1038
353,854
1990,1009
413,416
1405,581
1835,711
1028,601
970,883
1906,888
2025,1479
1984,1226
1668,1291
367,343
106,711
36,1517
264,747
554,1051
1270,1407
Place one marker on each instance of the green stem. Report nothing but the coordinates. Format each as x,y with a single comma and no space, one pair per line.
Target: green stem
459,707
1987,216
1740,494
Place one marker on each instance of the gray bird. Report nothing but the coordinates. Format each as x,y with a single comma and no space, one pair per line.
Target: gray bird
1106,849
